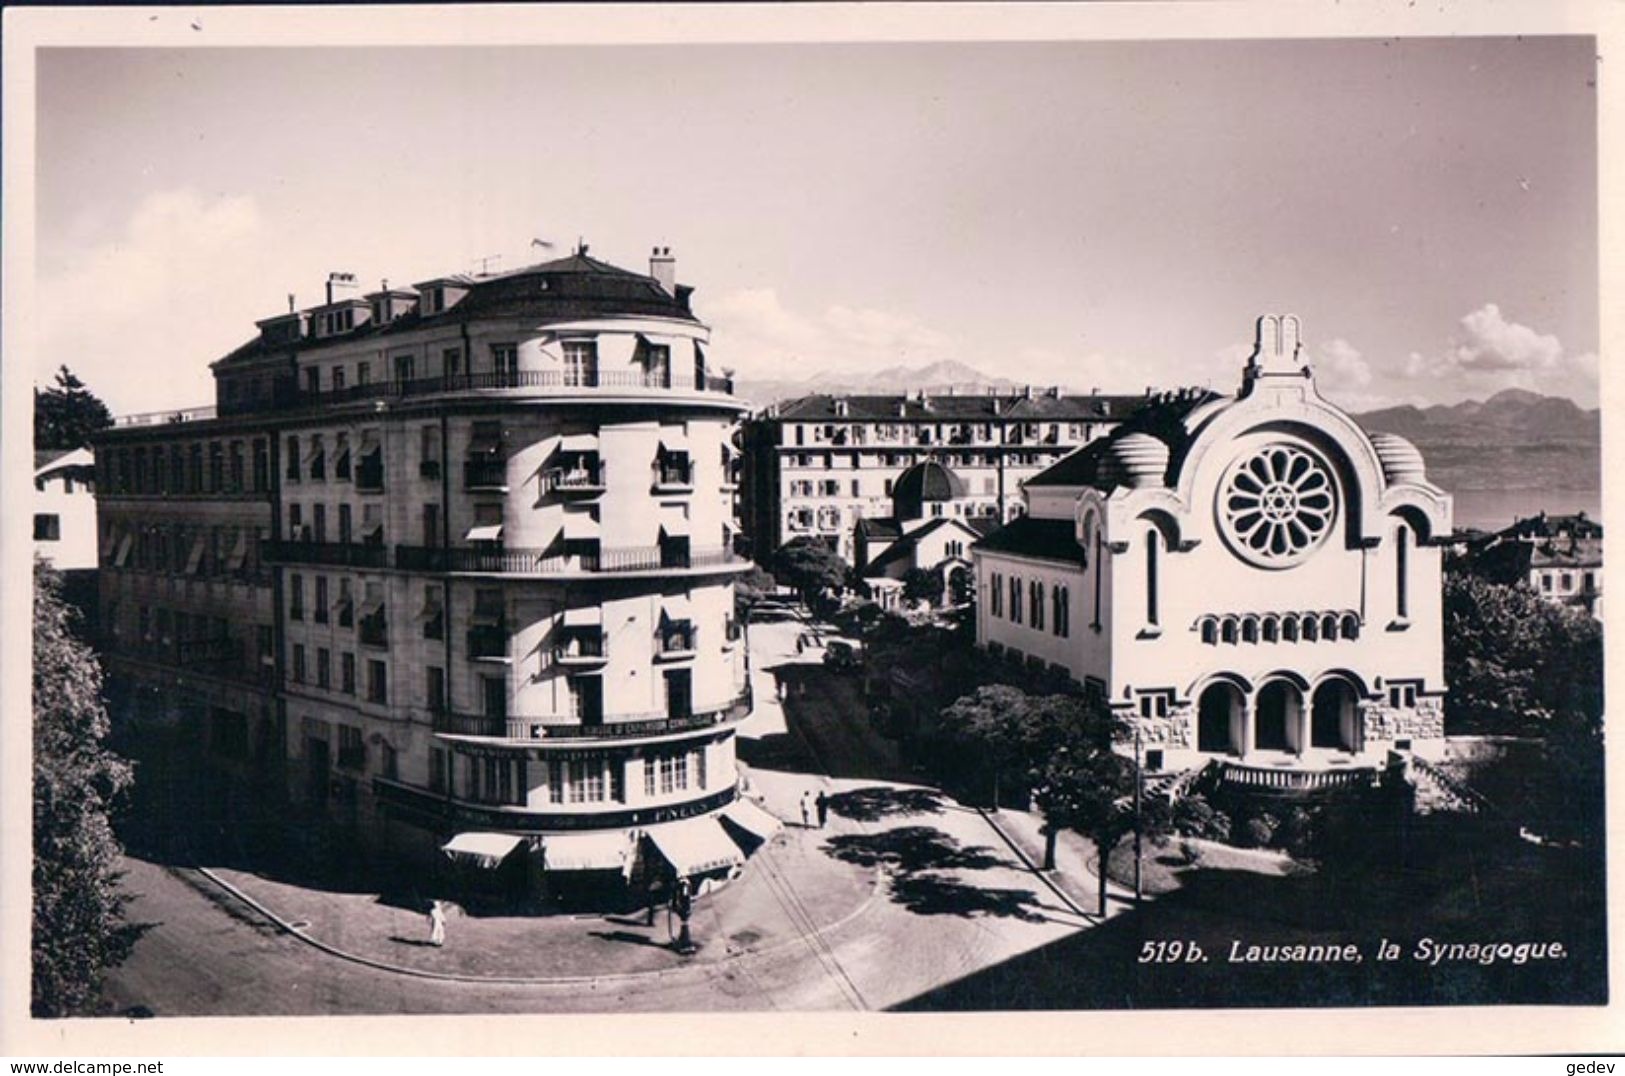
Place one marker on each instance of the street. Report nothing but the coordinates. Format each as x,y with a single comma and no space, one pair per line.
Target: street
934,893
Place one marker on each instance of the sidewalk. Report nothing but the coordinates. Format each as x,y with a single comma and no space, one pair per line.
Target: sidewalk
1075,862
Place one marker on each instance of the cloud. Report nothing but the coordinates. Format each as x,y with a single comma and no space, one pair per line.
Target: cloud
141,314
1338,364
757,333
1493,353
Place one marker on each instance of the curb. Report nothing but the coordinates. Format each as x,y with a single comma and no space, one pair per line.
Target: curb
1092,917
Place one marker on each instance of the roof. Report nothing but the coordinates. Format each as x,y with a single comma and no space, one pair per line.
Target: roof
879,527
957,408
1045,539
565,289
904,545
1544,526
927,481
1095,464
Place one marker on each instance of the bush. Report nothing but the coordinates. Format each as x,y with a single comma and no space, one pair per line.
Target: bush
1194,816
1257,831
1296,834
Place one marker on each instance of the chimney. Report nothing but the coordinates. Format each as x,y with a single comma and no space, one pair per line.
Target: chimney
663,267
1055,392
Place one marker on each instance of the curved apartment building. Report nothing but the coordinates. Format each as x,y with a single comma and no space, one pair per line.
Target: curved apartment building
502,549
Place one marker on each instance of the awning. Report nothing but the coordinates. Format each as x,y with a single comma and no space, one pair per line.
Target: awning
580,525
695,846
195,558
752,819
579,442
485,532
604,851
673,521
584,616
431,605
481,849
369,442
317,447
371,608
239,552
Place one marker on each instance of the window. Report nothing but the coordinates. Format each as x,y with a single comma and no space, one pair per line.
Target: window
292,471
1015,599
404,367
1546,582
352,750
1567,582
347,673
377,682
589,780
363,373
1152,541
296,520
1062,620
324,668
434,688
47,527
657,366
1402,558
1035,595
313,380
431,525
346,604
452,360
1100,543
341,457
505,359
1402,696
996,588
318,612
320,511
318,460
1153,704
581,363
345,525
298,663
389,763
665,773
439,770
338,378
296,597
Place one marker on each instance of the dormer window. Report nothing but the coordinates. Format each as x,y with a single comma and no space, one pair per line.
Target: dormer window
434,300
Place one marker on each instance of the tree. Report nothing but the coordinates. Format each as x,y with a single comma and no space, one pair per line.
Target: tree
79,928
1514,660
992,729
811,567
1080,782
67,413
920,585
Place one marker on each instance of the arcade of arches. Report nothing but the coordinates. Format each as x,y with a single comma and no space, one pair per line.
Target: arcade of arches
1279,716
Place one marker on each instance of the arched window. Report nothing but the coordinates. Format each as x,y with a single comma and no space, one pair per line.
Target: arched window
1227,630
1249,630
1151,552
1402,567
1311,628
996,588
1271,629
1289,629
1035,602
1210,631
1328,627
1099,567
1351,626
1015,599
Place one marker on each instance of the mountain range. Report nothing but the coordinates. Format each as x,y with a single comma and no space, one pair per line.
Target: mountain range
1514,441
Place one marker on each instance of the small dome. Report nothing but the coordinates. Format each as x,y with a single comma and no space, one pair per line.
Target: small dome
1141,458
928,481
1401,462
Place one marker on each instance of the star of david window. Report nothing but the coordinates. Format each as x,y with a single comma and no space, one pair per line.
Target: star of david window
1277,505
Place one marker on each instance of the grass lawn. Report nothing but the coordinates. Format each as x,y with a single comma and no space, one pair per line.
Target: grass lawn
1168,864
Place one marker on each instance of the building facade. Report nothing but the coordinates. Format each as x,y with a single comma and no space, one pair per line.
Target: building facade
816,465
929,530
65,509
1559,557
473,541
1253,580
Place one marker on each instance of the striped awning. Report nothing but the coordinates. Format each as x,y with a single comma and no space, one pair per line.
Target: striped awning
695,846
485,850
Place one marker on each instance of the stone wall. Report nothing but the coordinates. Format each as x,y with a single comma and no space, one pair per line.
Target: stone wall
1424,721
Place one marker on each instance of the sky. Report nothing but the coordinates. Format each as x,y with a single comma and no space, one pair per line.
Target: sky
1108,215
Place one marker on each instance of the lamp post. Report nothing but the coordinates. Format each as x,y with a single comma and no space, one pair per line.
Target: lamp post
1139,783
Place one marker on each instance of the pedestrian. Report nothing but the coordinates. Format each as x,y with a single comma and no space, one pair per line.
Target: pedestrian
807,809
822,803
437,924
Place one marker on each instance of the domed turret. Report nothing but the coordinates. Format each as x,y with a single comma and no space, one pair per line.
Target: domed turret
924,483
1401,462
1141,459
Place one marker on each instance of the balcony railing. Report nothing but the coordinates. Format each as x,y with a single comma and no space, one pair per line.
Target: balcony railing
584,479
341,554
612,726
1281,779
485,474
508,561
490,380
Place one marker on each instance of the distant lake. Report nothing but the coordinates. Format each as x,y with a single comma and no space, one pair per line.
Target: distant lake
1493,509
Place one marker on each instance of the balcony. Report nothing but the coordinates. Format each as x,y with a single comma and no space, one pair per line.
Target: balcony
514,561
485,475
338,554
369,474
586,478
582,647
612,726
488,643
675,642
1282,780
673,477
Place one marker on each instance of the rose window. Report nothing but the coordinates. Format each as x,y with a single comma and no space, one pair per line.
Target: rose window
1277,505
